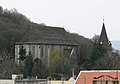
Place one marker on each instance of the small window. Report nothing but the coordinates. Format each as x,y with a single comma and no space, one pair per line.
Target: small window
105,82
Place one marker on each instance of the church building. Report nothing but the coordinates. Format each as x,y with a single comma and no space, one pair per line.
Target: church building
42,40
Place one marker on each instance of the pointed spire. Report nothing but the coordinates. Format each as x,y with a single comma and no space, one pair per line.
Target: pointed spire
103,35
104,39
103,19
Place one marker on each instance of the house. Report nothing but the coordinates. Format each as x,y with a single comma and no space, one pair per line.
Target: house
18,79
98,77
42,40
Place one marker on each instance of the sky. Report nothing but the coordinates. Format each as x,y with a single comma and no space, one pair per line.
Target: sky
84,17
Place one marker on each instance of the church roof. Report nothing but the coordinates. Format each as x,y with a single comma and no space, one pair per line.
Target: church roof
46,35
103,35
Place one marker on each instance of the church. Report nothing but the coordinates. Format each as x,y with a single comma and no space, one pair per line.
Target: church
42,40
100,76
104,38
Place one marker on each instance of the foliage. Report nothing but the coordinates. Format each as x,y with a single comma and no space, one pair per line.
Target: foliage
22,53
59,64
98,52
12,26
28,65
103,57
7,68
85,47
39,69
90,54
1,10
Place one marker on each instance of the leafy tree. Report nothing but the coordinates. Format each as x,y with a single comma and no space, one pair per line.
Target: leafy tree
98,52
7,68
106,62
28,65
59,64
84,50
39,69
22,53
1,10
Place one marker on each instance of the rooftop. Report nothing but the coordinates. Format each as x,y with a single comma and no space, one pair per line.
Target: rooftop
46,35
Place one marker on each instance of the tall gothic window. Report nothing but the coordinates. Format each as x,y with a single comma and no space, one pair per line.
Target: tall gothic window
42,50
33,51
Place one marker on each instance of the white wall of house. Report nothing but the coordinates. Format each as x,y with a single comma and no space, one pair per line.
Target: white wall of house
5,81
60,82
30,82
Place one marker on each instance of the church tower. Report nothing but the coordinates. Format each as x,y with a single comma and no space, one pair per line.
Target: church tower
104,38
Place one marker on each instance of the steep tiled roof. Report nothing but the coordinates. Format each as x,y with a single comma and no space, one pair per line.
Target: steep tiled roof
46,35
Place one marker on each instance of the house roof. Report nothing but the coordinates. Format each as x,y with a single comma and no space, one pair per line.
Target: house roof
46,35
87,77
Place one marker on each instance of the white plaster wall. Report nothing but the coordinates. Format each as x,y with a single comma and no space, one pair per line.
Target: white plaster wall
60,82
36,51
7,82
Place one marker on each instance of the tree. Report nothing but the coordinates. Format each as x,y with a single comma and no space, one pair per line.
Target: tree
7,68
22,53
84,50
39,69
59,64
28,65
95,39
107,62
98,52
1,10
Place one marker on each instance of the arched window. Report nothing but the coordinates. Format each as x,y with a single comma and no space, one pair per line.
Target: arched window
33,51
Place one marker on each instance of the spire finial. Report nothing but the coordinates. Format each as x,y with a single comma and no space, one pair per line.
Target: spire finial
103,19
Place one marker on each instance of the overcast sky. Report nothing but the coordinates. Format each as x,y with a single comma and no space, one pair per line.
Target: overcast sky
84,17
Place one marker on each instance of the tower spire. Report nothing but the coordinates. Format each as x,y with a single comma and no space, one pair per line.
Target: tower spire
103,19
103,36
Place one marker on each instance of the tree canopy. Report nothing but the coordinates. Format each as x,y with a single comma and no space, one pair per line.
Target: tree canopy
90,54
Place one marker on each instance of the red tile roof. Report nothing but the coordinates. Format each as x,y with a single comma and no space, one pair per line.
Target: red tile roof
87,77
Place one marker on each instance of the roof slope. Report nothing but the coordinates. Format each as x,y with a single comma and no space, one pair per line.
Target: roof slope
46,35
87,77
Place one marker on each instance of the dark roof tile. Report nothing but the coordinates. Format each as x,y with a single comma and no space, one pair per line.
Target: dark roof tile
46,35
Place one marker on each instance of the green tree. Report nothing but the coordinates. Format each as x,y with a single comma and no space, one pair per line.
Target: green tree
39,69
59,64
84,50
28,65
98,52
1,10
22,53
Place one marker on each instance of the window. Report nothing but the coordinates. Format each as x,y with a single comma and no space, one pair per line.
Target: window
105,82
33,50
42,51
